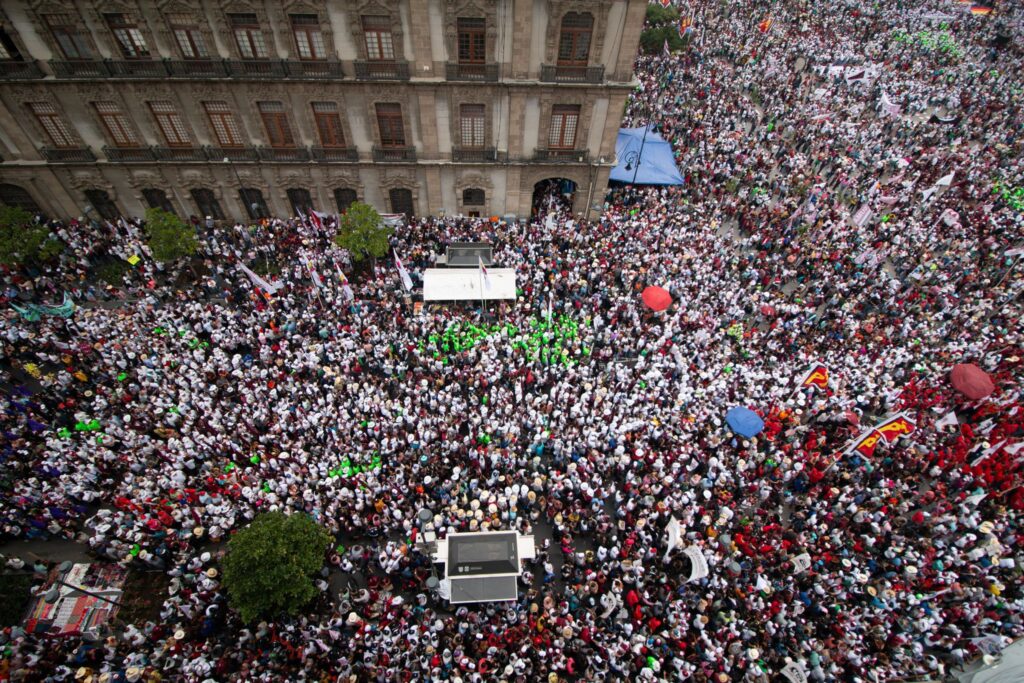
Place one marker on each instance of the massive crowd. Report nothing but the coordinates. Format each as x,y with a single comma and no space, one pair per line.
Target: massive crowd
216,404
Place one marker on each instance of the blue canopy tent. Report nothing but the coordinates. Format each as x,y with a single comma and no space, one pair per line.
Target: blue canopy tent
744,421
657,165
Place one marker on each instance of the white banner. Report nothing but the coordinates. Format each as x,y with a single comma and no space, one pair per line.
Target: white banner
801,563
794,673
862,216
699,564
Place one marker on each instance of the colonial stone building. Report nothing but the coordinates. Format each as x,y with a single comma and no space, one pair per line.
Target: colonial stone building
234,108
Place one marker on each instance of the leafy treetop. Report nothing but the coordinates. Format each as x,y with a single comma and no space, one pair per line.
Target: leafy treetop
362,232
169,237
269,566
22,240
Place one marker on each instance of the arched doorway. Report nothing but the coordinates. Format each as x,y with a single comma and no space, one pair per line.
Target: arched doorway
16,195
553,193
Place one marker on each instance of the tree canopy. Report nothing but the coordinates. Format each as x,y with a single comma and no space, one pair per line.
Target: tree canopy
362,232
168,237
23,240
269,566
662,25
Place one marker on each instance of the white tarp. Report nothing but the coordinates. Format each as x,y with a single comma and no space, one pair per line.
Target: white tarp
468,284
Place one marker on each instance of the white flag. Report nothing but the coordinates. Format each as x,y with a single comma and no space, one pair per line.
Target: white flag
346,289
974,499
890,107
268,287
483,272
672,536
315,276
949,419
946,180
403,273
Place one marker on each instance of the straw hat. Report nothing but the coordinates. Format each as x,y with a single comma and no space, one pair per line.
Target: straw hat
133,674
986,527
179,634
198,531
211,573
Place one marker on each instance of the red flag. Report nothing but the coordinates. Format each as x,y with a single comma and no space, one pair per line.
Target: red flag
894,428
817,376
866,445
766,25
666,3
314,218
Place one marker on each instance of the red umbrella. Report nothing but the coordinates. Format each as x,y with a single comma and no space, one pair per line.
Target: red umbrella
767,310
971,381
657,298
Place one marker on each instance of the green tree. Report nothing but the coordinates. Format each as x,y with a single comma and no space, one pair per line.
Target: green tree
652,40
23,240
361,230
169,237
659,16
269,565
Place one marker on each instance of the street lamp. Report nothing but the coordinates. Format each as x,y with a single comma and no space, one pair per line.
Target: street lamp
253,205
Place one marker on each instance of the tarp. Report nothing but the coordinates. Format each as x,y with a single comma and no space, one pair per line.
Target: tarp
971,381
744,421
657,164
464,284
656,298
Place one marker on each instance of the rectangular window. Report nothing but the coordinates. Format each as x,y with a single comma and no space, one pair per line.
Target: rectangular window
308,39
188,36
389,122
275,120
472,40
67,31
222,120
564,119
471,117
8,50
574,41
377,31
170,124
50,121
328,124
116,124
248,36
129,37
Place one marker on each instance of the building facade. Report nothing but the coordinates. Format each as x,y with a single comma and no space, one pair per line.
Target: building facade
251,108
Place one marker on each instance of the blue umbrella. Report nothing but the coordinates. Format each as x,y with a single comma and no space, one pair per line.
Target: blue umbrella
744,421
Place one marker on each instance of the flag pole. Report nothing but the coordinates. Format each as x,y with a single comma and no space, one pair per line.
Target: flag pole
480,277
